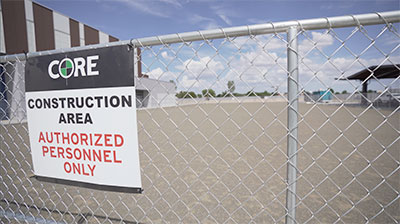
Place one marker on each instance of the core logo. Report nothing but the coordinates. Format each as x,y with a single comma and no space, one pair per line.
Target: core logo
66,68
73,67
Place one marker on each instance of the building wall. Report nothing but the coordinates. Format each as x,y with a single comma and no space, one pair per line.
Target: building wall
14,26
159,93
27,26
2,42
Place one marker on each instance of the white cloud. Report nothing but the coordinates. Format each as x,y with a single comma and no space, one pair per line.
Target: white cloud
200,74
203,22
223,13
172,2
225,19
205,67
195,18
262,67
317,40
210,26
160,74
268,42
166,56
160,8
257,70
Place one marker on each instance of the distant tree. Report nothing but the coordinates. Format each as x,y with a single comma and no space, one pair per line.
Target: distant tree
199,95
231,86
208,93
223,94
191,94
181,94
251,93
186,94
265,93
332,91
344,92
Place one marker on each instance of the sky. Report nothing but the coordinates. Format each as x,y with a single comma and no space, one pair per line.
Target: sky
257,63
126,19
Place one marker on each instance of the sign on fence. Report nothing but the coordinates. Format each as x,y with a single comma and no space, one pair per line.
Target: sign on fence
81,109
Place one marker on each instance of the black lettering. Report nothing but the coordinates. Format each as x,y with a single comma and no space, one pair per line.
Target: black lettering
46,103
70,117
89,105
62,99
30,104
62,119
54,102
106,101
71,103
88,119
114,101
79,105
98,98
127,101
79,118
38,103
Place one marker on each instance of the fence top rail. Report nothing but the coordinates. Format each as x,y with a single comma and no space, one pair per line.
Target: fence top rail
266,28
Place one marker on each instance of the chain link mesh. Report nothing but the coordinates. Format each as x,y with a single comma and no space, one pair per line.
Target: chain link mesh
216,152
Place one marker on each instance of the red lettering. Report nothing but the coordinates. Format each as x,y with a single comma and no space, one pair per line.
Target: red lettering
91,169
45,150
60,152
41,137
76,168
97,140
52,153
84,138
87,155
69,153
106,155
65,138
121,139
76,141
57,134
79,156
67,167
107,139
83,170
48,138
115,157
96,155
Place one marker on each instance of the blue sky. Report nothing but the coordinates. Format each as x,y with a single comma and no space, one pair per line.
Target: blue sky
127,19
257,63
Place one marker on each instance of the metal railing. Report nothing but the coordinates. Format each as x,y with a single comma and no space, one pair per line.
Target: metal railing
260,149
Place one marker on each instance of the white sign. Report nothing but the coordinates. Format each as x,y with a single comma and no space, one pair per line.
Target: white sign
83,129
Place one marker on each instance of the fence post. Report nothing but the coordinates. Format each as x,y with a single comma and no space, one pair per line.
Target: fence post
293,91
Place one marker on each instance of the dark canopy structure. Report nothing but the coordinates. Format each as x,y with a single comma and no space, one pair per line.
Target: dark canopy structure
374,72
378,72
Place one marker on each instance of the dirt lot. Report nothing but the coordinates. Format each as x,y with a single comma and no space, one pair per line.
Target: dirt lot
226,162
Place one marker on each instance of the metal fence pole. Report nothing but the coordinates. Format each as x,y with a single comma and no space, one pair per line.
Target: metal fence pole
292,61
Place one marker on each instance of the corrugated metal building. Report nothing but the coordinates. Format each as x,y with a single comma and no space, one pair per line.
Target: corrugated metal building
26,26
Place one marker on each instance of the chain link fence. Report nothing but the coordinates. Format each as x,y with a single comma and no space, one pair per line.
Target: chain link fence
254,124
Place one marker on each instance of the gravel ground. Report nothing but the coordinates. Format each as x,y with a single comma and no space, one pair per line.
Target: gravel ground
225,162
